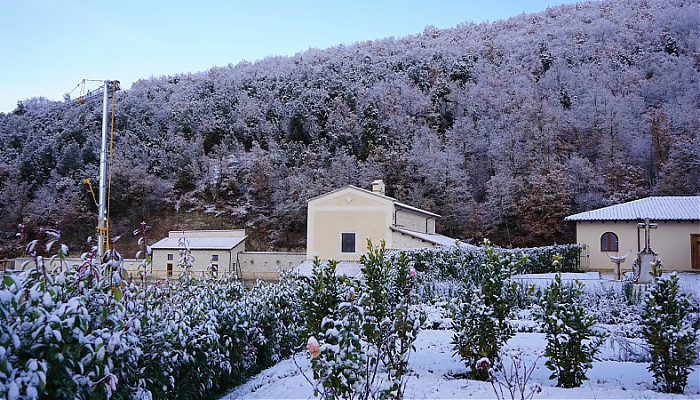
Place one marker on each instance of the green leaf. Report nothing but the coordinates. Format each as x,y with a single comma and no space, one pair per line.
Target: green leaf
117,292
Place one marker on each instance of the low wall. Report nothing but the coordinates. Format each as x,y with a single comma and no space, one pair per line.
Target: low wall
265,265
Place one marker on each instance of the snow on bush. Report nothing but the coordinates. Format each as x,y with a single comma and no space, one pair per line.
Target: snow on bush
443,271
481,319
361,346
90,331
671,330
571,342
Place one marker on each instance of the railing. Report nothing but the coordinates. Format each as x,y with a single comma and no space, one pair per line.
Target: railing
133,269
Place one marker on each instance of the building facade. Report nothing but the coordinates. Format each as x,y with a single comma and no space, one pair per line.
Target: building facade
340,222
619,229
212,251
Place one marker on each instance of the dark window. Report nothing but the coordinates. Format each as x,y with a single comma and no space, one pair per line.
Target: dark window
215,257
347,242
608,242
170,257
170,269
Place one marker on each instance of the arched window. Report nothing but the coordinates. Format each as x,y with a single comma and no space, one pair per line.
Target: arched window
608,242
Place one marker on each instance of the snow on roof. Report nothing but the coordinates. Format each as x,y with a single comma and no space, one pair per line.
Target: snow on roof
201,243
661,208
418,210
434,238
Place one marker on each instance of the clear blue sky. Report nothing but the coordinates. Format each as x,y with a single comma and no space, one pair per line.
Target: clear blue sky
48,46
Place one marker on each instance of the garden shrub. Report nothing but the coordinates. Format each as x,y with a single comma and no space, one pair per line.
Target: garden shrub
65,332
364,343
671,330
320,294
460,262
87,331
571,342
481,319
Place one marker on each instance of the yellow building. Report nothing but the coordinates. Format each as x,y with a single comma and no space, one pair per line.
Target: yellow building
340,222
614,231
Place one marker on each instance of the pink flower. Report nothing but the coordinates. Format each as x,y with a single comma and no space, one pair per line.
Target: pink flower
536,388
313,347
483,363
412,273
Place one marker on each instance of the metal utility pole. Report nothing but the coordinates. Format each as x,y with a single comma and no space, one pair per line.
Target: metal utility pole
110,87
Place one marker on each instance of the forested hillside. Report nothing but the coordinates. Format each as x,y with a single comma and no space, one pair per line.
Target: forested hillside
503,128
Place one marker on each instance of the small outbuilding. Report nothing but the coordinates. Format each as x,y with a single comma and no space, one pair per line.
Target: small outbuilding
214,251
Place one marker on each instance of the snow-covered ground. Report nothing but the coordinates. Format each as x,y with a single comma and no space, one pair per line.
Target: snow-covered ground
436,373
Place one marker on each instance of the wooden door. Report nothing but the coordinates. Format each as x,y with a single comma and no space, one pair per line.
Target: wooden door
695,250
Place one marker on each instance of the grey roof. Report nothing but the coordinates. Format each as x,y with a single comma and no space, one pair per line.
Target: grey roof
415,209
662,208
210,243
434,238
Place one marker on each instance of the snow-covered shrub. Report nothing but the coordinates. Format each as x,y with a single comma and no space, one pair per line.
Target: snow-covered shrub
320,294
86,331
392,322
445,264
539,259
481,319
181,334
276,320
612,311
343,363
364,343
671,330
571,342
459,262
66,332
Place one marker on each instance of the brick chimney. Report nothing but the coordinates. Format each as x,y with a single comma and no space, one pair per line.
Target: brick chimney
379,187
